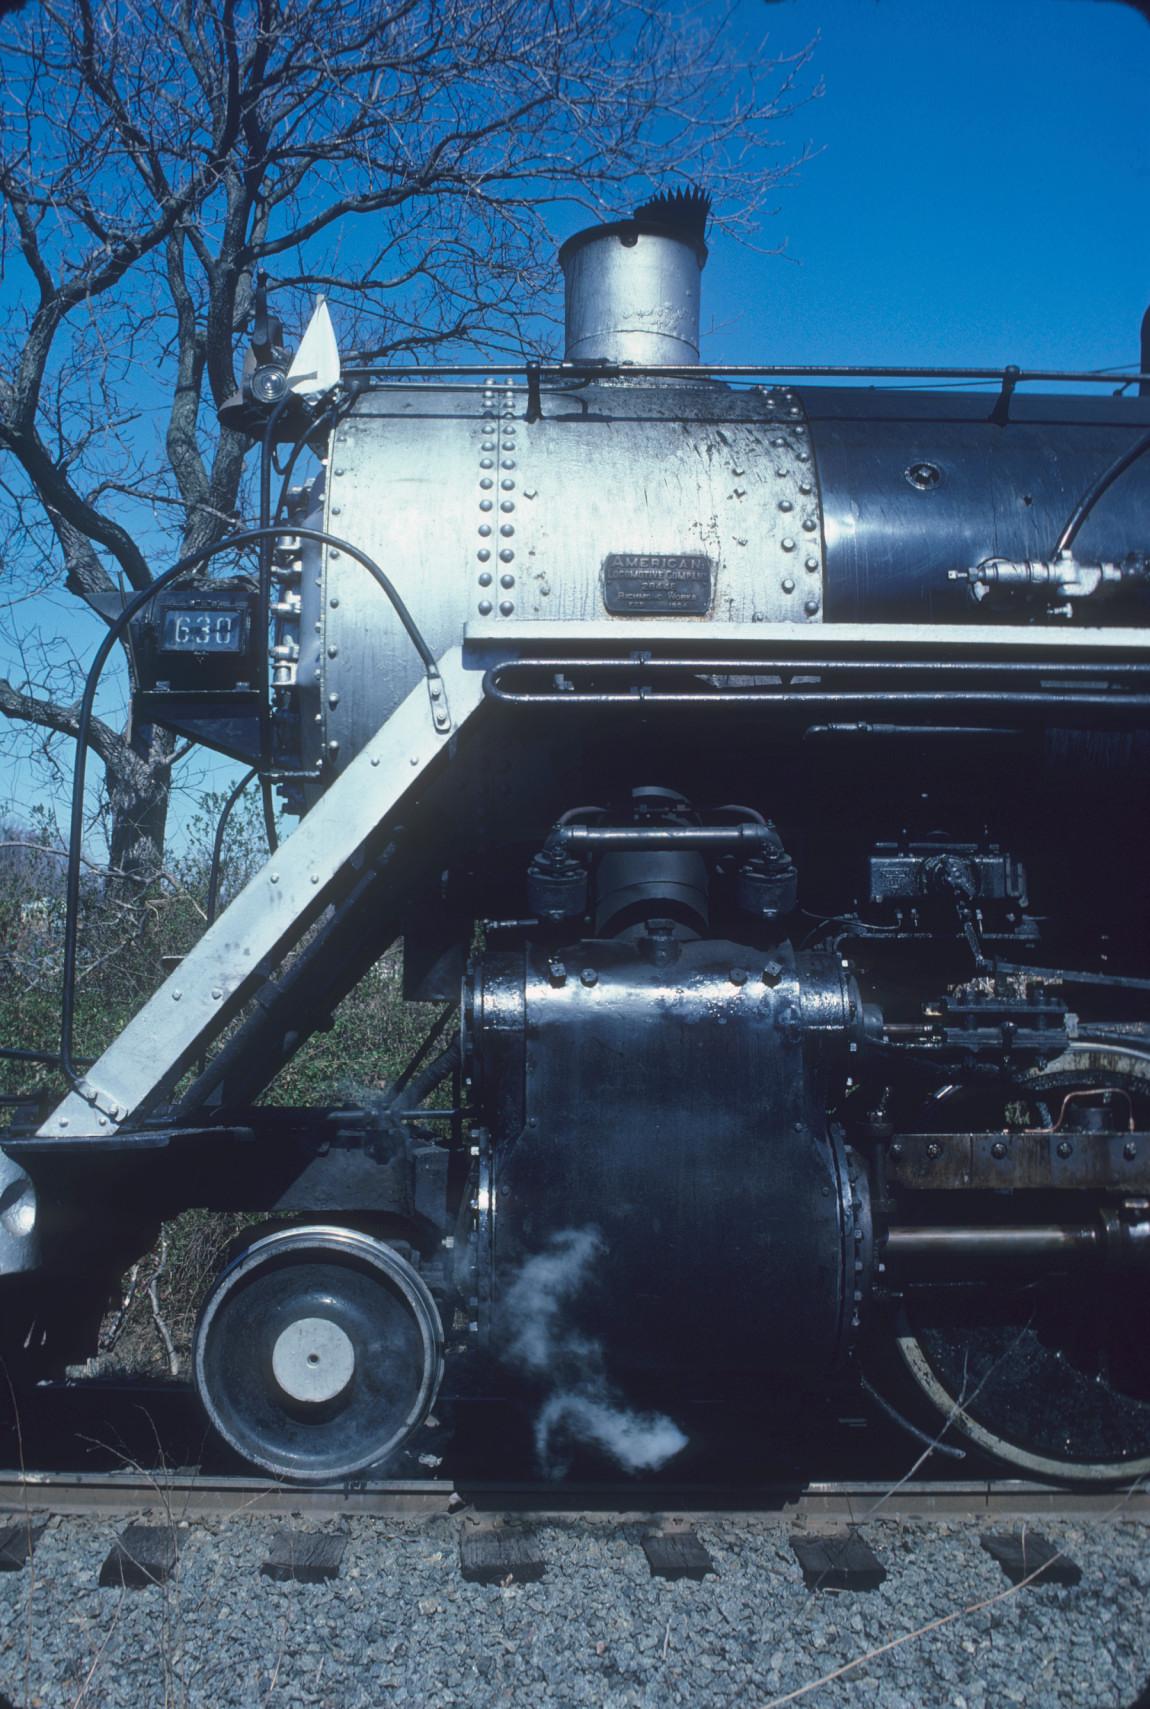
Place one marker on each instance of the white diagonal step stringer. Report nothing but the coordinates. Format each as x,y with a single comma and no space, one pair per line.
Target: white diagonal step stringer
194,1004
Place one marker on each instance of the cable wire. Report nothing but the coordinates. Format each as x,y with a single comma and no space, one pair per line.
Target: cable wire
1090,498
218,843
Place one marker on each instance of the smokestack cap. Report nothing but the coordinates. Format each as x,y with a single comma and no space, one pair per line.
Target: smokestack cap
632,287
679,214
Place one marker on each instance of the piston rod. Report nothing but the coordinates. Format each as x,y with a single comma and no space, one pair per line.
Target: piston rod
1112,1238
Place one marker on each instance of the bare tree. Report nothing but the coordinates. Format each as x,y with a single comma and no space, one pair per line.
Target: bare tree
408,157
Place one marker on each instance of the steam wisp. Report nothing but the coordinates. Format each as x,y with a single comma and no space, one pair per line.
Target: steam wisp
583,1405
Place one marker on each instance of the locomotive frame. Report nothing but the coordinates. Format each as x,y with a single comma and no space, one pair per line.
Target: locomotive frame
710,1143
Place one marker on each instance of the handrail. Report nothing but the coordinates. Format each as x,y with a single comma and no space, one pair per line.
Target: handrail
1007,375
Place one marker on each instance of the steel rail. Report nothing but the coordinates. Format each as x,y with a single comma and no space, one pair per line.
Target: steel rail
179,1495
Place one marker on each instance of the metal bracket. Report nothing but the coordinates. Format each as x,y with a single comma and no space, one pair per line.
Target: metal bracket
103,1102
534,393
437,694
1011,375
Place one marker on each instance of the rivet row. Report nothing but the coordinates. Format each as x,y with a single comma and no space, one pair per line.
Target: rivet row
501,439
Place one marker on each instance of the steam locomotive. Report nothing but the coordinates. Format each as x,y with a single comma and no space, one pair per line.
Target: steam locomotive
754,764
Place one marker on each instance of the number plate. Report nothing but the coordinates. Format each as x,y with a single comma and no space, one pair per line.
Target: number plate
211,629
657,584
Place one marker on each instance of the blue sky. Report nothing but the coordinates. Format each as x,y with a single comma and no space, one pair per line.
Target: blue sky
979,195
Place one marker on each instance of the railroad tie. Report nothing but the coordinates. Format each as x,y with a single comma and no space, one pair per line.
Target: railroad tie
308,1557
1026,1555
493,1557
17,1543
142,1555
677,1554
844,1561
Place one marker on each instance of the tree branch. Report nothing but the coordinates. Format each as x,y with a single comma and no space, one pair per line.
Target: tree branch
65,505
65,721
154,154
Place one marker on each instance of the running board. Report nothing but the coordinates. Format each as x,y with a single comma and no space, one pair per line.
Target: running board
193,1006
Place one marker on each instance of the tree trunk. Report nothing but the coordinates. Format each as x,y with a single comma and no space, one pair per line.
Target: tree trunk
138,792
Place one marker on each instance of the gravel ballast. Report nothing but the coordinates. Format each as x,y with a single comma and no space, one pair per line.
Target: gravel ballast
400,1625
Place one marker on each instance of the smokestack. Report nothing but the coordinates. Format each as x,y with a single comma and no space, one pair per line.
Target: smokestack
632,288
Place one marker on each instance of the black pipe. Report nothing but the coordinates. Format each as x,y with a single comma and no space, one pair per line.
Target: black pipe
324,419
11,1053
422,1085
397,1092
662,836
268,809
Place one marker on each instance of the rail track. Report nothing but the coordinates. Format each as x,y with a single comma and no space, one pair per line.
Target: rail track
124,1448
180,1495
422,1576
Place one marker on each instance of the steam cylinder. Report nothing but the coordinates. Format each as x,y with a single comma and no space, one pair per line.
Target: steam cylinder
624,1100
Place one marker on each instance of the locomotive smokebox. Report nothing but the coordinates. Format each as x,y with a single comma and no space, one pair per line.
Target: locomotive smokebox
632,288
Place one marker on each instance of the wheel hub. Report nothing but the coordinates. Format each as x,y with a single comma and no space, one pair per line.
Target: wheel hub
313,1360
